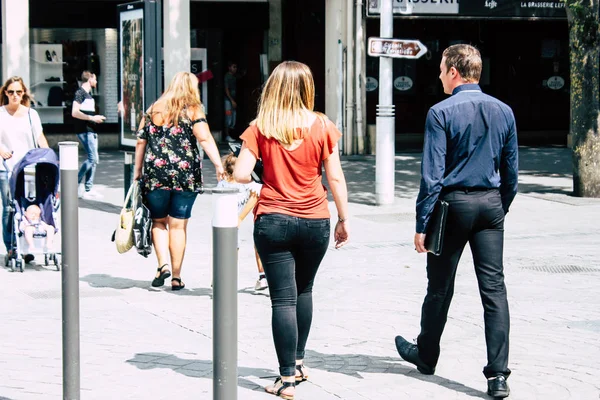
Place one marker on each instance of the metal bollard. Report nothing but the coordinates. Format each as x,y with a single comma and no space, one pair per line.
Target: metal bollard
70,269
127,171
225,233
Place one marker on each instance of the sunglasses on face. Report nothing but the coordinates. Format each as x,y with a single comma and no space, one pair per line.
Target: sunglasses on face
17,92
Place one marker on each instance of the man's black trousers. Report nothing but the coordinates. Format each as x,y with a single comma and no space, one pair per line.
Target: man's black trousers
476,217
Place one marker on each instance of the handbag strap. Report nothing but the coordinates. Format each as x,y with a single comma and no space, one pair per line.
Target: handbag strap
35,144
131,194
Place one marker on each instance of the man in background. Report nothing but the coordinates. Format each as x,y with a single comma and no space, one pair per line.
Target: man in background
84,112
230,100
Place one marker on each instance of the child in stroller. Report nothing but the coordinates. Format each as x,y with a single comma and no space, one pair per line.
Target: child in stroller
31,227
34,190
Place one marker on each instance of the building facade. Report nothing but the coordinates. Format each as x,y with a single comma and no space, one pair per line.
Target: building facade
524,46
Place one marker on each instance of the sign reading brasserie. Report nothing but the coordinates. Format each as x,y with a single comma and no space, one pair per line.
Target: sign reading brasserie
474,8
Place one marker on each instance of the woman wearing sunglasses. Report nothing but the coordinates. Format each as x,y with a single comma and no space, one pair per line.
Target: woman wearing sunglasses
20,131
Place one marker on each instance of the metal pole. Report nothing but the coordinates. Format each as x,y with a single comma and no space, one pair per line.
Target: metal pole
360,92
70,269
350,100
225,331
127,172
340,90
386,129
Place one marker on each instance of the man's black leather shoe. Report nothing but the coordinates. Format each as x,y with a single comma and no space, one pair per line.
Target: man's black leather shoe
410,353
497,387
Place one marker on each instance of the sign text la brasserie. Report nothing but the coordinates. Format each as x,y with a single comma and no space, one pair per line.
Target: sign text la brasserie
547,9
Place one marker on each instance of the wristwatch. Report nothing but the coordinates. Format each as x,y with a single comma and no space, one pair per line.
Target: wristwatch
340,219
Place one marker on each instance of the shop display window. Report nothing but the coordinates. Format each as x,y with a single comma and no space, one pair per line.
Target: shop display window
58,57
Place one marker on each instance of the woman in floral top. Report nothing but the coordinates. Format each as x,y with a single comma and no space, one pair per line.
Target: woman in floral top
172,169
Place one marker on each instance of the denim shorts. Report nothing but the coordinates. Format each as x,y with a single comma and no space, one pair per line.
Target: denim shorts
174,203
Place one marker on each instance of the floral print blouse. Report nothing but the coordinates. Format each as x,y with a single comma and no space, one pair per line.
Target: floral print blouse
172,160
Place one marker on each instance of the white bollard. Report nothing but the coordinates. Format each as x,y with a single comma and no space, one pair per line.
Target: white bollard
69,164
225,271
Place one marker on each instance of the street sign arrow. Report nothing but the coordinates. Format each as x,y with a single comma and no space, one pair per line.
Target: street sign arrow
396,48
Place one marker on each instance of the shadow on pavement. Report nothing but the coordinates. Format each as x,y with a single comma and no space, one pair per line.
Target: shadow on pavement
252,292
353,364
197,368
542,162
360,177
537,188
116,282
100,206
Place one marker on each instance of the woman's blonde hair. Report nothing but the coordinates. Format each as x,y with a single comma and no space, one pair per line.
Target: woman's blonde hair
25,99
182,93
287,96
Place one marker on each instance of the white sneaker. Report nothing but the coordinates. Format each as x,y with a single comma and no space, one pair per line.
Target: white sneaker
261,284
80,190
229,138
91,195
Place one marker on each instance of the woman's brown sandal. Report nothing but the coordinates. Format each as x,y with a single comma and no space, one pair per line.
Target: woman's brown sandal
303,375
278,387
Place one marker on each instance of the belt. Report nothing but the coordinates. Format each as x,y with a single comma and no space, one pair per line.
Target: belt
467,190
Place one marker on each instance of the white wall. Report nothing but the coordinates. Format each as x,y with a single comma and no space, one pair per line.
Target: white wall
176,37
15,39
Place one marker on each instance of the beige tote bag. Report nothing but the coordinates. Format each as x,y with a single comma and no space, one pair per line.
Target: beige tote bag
123,236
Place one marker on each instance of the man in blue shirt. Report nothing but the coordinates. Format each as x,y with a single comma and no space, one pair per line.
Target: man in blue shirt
470,160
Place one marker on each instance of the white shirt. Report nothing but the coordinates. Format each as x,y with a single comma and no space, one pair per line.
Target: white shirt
244,191
16,134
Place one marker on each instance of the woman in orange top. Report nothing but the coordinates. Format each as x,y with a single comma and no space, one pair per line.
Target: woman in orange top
291,228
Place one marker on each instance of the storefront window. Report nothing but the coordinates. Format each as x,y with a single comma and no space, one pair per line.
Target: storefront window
58,58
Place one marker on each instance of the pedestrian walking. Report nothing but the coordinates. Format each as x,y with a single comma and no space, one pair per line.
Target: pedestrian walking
247,198
20,131
470,160
172,169
84,111
292,228
230,100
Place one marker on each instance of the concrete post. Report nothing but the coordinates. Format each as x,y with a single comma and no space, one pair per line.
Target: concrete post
386,128
350,99
225,330
70,270
360,66
274,54
15,40
334,73
177,53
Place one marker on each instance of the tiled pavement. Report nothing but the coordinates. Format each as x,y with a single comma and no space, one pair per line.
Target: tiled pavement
138,343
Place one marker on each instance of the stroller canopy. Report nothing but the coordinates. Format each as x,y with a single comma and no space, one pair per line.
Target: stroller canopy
47,165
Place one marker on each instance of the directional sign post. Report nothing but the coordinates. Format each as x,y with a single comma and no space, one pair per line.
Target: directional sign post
386,127
396,48
385,140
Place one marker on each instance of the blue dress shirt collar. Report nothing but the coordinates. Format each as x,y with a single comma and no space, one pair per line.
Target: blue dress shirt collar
466,86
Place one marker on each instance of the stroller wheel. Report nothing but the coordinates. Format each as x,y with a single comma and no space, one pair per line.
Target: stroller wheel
13,264
19,264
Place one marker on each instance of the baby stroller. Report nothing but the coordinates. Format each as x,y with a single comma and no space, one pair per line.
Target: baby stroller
33,181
